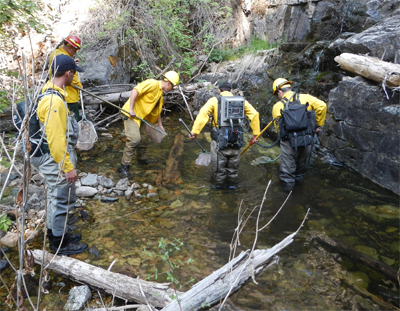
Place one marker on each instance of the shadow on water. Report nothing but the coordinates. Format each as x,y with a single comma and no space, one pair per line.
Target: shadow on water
343,205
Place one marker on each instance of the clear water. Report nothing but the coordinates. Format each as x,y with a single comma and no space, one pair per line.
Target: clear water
308,277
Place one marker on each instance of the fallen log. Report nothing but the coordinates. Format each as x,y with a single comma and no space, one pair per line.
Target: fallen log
111,97
371,68
372,263
122,286
206,293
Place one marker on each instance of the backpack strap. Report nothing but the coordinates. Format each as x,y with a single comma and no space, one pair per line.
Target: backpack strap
286,101
49,92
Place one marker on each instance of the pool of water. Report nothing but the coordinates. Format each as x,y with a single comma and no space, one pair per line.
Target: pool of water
343,206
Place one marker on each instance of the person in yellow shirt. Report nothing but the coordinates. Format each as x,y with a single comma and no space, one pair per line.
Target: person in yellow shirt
146,102
70,46
58,163
295,151
226,141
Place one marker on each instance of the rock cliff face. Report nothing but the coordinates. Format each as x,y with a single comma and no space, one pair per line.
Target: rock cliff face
363,130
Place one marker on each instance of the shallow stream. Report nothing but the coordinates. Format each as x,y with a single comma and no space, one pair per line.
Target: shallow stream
343,205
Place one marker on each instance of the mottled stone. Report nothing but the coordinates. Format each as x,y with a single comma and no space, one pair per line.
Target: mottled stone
90,180
78,296
85,191
10,240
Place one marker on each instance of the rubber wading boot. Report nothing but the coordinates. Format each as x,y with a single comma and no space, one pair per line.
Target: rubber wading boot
67,247
287,187
74,237
124,170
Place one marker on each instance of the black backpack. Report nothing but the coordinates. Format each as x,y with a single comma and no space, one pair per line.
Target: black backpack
297,124
39,145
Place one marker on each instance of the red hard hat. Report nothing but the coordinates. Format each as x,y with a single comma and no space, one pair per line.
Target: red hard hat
74,42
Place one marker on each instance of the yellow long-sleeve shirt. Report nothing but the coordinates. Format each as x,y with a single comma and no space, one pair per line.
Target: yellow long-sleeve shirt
313,104
72,93
211,107
148,103
53,114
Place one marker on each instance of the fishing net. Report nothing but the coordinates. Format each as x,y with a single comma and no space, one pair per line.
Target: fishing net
87,135
154,133
203,159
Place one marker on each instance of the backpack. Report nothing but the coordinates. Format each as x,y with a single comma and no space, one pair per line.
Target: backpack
39,145
230,116
297,124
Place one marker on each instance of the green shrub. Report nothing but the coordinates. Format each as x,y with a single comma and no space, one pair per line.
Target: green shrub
5,222
227,53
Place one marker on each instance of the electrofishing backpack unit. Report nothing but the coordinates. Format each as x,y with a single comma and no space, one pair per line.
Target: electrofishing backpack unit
230,117
39,145
297,124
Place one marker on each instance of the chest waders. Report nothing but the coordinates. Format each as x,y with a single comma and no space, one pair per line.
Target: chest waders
227,136
297,124
62,193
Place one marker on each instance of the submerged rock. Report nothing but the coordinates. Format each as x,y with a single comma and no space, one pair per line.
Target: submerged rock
109,199
369,251
3,264
381,213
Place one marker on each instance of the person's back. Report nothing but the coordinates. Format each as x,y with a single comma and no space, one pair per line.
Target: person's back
226,135
296,145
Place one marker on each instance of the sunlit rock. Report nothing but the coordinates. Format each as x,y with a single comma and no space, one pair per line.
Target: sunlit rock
85,191
10,239
90,180
380,213
122,184
391,229
134,261
176,204
78,296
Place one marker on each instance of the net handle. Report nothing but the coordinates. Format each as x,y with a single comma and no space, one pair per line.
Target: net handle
107,102
81,97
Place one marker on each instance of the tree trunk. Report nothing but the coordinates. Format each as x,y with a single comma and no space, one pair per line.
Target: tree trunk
371,68
372,263
206,293
112,97
122,286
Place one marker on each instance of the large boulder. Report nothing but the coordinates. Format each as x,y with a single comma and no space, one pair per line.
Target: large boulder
364,130
111,65
381,40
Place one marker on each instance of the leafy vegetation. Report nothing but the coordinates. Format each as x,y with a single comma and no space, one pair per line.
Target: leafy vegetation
5,222
18,17
171,265
161,31
224,54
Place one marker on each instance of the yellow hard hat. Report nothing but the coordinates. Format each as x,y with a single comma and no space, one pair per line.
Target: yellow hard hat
280,83
172,76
